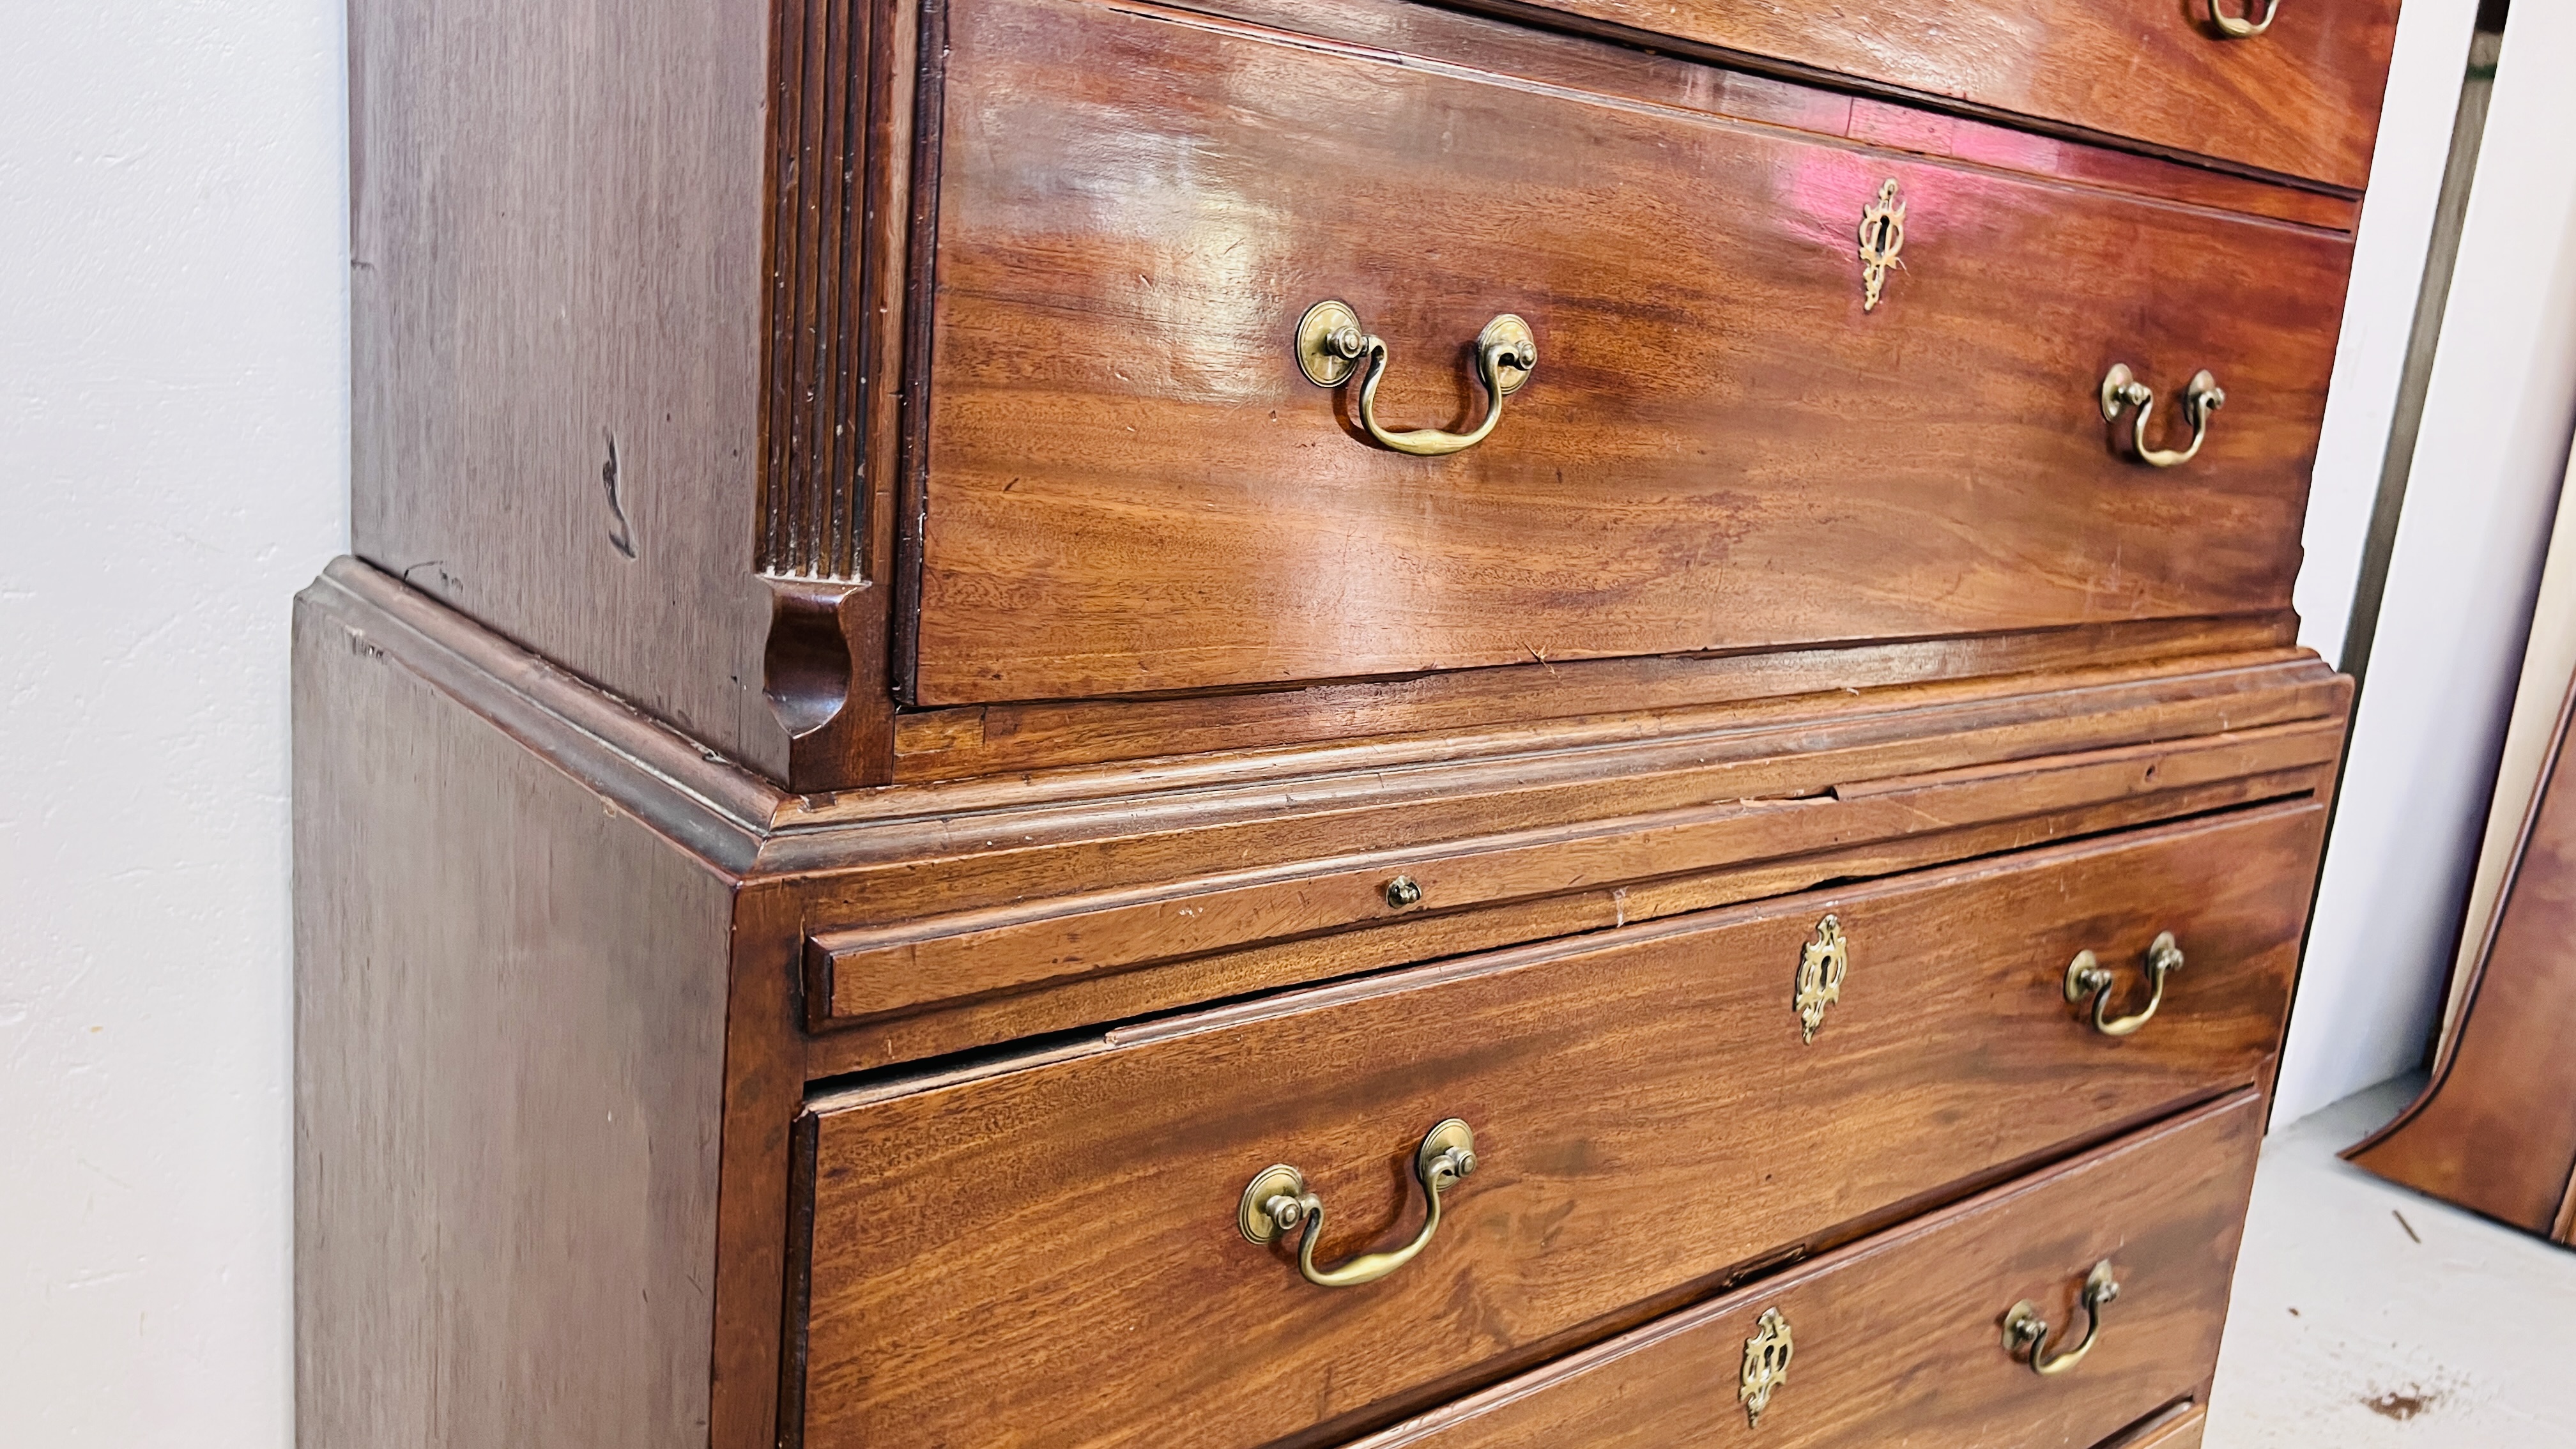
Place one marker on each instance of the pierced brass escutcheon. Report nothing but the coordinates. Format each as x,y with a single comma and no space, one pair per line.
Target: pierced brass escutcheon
1821,966
2236,29
1882,236
1766,1365
2026,1333
1277,1201
2201,397
2087,976
1331,346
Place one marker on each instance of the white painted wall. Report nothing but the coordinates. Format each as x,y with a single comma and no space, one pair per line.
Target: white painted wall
2379,307
2457,609
173,458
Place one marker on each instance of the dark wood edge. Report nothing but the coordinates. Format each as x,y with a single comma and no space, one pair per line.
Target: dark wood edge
2450,1048
798,1300
702,802
757,1199
2332,793
2151,1430
1542,17
921,291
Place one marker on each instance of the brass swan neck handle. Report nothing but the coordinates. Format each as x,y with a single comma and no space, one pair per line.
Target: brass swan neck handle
1331,345
1277,1201
2236,29
2087,976
2201,397
2026,1333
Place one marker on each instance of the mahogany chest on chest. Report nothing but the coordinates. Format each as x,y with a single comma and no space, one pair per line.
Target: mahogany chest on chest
1312,722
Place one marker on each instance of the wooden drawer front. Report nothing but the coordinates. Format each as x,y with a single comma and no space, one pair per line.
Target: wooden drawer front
2180,1430
1130,486
2302,99
1895,1341
1050,1254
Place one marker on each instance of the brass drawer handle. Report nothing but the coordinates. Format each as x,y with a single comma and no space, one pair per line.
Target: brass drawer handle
2026,1333
1331,344
2235,29
2087,976
1278,1202
2122,391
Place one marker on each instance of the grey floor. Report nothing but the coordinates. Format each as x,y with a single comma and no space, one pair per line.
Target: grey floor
2366,1315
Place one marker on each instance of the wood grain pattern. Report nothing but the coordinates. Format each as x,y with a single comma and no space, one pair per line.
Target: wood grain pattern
555,311
844,76
2181,1429
1619,1085
1131,489
1896,1338
509,1050
901,854
1661,73
814,479
764,1088
2495,1129
1085,1001
957,958
991,849
1292,853
974,740
2301,100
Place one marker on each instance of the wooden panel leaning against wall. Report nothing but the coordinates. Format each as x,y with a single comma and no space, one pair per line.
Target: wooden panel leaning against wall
2495,1129
812,547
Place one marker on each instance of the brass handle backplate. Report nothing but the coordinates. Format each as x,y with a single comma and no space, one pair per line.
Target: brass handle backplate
1331,345
2122,391
1277,1201
2087,976
2026,1333
2235,29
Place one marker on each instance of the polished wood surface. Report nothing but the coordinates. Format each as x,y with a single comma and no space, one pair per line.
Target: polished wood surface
920,925
2300,100
1647,1113
2495,1129
1130,487
639,782
510,1049
978,740
2179,1429
852,804
1896,1338
1973,766
876,973
733,390
1664,75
